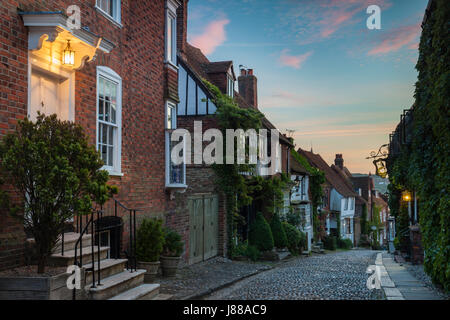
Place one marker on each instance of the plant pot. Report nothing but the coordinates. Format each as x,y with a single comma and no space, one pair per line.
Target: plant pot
169,265
151,268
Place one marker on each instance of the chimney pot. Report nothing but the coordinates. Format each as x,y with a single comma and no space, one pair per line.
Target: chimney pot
248,87
339,161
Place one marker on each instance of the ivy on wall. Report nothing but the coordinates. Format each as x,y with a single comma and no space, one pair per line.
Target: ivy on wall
241,190
424,166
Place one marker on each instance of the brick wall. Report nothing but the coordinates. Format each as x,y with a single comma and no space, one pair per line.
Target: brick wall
139,59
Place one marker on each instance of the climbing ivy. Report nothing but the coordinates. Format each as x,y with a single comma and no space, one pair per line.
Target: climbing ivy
424,166
241,190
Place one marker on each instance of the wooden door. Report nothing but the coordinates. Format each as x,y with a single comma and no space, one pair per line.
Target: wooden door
204,227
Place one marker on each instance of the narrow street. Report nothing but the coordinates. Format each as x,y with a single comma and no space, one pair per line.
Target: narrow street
333,276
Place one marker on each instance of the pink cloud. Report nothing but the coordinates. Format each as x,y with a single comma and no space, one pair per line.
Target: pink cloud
294,61
397,39
212,37
320,19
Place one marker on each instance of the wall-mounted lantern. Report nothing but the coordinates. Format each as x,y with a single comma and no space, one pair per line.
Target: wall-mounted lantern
68,57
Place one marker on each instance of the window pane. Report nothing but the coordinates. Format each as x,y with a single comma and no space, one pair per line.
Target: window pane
111,136
113,113
169,117
104,157
169,38
100,129
110,156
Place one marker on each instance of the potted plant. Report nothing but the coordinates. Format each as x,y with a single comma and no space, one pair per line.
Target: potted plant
149,245
171,256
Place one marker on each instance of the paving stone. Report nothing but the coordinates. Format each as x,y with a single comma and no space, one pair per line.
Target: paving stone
392,292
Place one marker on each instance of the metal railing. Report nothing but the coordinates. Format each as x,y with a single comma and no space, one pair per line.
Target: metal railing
92,221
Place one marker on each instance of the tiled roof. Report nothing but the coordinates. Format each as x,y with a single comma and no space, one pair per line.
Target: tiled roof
296,166
218,67
363,183
332,177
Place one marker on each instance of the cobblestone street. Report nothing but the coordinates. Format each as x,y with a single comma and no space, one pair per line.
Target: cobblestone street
332,276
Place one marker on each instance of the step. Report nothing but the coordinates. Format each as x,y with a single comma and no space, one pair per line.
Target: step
68,258
70,239
143,292
163,296
116,284
108,267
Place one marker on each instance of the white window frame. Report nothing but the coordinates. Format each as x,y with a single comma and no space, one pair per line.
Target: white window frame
171,13
173,105
230,86
111,75
116,16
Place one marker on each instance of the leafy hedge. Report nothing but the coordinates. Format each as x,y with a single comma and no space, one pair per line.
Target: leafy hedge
424,166
279,235
260,234
344,243
330,243
296,240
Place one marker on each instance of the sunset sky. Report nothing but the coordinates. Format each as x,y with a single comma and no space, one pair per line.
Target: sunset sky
321,71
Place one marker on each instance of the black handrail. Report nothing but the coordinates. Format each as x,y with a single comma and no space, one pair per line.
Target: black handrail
95,233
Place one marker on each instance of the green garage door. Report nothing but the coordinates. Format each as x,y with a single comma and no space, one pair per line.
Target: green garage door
204,227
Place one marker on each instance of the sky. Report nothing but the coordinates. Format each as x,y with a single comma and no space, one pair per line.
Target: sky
320,70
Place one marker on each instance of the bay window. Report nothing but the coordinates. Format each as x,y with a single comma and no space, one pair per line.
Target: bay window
175,173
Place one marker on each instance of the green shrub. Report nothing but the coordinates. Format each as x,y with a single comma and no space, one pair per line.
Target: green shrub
173,245
150,240
279,235
364,241
330,243
252,253
397,243
243,249
260,234
344,243
293,218
295,239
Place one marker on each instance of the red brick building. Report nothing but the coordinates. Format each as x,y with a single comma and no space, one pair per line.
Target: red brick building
119,85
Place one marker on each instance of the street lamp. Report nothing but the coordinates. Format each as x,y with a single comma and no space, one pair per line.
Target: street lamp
406,196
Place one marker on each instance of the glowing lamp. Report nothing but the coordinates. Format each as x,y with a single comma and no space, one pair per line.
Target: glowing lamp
68,57
406,196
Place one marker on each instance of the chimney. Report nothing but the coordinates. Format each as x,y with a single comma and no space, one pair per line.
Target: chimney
248,87
339,161
182,12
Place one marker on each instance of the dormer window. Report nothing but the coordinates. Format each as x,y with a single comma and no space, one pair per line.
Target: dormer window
230,86
171,33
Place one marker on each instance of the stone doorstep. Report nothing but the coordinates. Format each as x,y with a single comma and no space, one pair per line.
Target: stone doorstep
69,256
108,267
70,239
142,292
116,284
